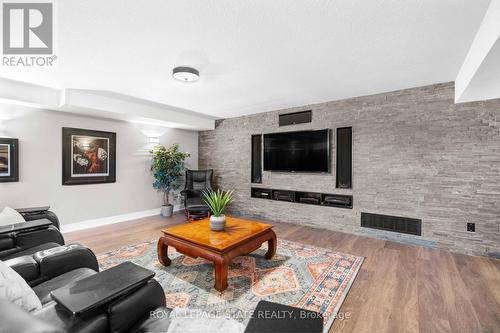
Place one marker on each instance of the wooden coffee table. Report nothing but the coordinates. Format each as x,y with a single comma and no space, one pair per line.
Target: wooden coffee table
195,239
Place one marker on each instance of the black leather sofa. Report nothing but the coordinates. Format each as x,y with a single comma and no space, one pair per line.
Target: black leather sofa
39,232
36,251
57,267
197,181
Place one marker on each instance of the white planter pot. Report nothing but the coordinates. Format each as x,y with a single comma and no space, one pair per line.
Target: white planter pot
217,223
167,211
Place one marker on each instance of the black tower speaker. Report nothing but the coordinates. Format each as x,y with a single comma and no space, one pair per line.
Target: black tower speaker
257,158
344,157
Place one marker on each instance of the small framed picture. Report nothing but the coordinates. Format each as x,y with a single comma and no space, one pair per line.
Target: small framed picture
9,160
89,157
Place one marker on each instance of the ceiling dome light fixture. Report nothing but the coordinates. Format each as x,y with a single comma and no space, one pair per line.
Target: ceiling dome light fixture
186,74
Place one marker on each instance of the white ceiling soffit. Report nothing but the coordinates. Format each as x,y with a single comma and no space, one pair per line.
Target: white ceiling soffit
102,104
23,93
479,77
256,55
140,110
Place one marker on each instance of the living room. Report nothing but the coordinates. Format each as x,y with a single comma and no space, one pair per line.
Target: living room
250,166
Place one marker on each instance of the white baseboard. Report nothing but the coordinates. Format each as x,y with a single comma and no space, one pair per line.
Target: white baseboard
112,219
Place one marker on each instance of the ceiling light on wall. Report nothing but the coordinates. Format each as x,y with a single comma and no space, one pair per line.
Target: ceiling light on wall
186,74
154,140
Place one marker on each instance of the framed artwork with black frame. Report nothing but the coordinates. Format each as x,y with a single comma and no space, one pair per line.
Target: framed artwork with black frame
89,157
9,160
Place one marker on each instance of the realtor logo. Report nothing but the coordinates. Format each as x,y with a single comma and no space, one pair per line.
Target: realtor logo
27,28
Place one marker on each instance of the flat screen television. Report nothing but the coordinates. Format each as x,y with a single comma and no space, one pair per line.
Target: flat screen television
304,151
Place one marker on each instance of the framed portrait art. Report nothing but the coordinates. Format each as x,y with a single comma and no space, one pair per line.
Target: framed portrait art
9,160
89,157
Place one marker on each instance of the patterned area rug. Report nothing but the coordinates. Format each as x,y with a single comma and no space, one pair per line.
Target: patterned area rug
299,275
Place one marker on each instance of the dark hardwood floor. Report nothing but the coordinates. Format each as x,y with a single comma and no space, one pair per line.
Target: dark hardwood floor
400,288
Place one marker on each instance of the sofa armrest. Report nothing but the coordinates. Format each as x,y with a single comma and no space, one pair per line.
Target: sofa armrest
25,266
32,210
26,226
37,213
59,260
128,310
31,238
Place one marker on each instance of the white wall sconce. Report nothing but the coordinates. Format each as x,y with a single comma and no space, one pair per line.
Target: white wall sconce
154,140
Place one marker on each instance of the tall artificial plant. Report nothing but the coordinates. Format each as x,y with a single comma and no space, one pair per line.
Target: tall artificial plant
167,166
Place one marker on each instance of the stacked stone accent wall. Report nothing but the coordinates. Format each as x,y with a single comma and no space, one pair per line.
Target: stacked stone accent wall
415,153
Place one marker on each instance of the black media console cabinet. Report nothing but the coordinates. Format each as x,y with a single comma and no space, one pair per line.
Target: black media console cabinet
309,198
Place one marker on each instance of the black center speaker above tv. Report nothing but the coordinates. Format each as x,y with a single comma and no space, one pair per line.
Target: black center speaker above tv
302,151
295,118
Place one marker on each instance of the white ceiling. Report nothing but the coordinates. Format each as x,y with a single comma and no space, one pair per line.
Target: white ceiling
255,56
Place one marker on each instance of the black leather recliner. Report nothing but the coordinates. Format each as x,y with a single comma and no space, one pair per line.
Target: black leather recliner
62,266
196,182
32,236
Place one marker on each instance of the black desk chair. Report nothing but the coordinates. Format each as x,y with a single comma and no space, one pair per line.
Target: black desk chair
197,181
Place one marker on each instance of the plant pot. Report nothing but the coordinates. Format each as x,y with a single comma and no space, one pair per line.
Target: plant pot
167,210
217,223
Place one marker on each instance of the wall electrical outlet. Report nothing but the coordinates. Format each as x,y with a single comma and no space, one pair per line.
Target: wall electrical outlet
471,227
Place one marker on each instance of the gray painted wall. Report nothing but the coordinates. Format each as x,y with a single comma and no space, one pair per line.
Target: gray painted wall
415,154
40,137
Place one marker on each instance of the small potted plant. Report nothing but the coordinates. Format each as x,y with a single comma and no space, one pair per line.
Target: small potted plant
217,201
167,167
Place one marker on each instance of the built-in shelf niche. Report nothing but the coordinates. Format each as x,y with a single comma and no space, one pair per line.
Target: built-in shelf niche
303,197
